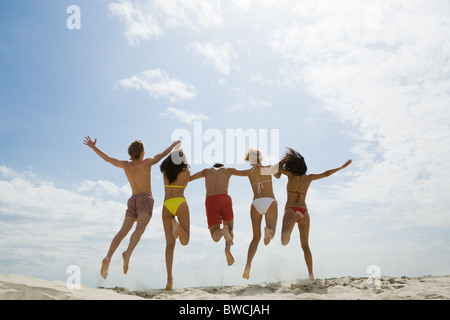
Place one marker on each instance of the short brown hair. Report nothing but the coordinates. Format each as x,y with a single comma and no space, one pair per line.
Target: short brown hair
135,149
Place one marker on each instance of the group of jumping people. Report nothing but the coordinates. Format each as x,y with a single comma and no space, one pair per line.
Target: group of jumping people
218,204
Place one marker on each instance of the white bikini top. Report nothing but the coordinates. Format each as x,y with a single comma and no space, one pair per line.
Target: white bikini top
260,183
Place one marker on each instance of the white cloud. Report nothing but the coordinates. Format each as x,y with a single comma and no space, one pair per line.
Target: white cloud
35,199
46,228
158,84
215,54
196,15
377,68
183,116
103,187
140,24
247,101
242,5
11,173
145,20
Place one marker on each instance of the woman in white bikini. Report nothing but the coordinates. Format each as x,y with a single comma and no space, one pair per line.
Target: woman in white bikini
176,176
263,205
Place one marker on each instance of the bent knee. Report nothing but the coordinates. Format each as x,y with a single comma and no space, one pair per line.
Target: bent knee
285,241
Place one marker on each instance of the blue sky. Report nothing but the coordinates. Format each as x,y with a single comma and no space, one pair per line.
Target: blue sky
336,80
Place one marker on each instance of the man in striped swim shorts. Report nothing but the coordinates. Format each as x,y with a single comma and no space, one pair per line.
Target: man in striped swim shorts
140,205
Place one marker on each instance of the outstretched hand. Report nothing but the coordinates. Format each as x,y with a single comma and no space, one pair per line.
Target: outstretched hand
347,164
177,144
87,141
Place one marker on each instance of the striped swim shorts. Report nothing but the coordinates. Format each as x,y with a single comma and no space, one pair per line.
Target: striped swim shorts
140,203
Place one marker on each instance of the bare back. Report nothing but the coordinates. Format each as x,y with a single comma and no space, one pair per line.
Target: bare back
138,175
182,180
297,187
217,180
261,184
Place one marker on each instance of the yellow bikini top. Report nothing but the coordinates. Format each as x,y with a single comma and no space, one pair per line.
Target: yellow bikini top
170,186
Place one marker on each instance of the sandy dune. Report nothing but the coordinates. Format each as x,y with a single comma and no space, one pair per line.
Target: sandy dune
16,287
339,289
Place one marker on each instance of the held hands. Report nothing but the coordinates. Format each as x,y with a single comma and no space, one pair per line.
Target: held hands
87,141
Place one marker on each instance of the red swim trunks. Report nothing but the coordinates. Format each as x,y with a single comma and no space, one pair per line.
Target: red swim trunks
218,207
140,203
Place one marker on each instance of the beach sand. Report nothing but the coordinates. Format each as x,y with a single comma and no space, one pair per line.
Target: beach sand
17,287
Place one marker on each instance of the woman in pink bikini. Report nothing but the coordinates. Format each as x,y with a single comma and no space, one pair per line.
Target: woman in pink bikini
294,167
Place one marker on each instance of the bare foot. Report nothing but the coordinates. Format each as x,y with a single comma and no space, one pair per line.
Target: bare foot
268,235
175,228
230,259
311,277
105,267
246,274
227,235
126,261
169,285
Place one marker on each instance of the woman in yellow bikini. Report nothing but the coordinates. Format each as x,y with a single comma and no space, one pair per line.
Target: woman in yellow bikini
176,176
294,167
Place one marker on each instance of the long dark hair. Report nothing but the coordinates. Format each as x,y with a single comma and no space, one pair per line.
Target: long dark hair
293,162
171,169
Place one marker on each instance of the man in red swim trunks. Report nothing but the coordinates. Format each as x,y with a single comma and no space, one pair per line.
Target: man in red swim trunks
218,203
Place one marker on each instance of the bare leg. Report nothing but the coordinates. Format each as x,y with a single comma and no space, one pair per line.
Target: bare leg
168,219
126,227
175,228
268,235
271,222
142,222
289,220
228,235
256,225
303,227
228,232
217,233
183,224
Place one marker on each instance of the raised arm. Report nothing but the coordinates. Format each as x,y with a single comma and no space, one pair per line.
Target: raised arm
92,144
161,155
329,172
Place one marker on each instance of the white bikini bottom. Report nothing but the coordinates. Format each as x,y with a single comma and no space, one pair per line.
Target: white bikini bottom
262,204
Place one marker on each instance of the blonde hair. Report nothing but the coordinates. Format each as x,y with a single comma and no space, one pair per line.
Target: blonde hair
135,149
253,155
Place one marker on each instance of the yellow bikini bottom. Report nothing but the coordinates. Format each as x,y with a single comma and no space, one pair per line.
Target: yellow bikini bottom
173,204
